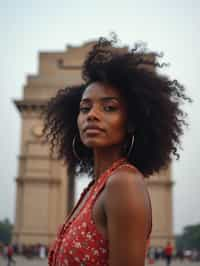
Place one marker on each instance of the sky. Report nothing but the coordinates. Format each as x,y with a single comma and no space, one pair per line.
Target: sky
29,27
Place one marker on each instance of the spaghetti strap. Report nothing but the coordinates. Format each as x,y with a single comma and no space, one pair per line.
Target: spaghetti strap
149,199
102,184
68,219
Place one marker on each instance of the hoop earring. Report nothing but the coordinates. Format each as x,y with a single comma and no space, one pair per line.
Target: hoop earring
74,148
131,147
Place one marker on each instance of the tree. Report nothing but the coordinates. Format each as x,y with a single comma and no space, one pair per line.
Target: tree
5,231
190,238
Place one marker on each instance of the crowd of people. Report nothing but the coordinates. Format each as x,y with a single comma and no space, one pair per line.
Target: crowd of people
168,253
28,251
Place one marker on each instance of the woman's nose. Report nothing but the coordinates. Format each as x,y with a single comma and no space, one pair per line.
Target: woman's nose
93,113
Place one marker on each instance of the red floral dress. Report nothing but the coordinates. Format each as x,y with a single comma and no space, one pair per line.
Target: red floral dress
78,242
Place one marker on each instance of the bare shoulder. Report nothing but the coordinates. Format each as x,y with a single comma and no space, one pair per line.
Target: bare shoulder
128,216
125,178
126,194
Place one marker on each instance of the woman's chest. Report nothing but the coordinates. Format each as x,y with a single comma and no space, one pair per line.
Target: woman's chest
82,242
92,204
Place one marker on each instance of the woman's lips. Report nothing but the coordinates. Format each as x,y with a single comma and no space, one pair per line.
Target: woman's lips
93,131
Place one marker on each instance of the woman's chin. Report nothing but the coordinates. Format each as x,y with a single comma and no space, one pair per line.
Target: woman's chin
92,143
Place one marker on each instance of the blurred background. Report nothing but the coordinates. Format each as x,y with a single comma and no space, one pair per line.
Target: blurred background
30,27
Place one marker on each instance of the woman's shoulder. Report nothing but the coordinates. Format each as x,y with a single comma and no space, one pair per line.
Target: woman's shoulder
126,195
125,175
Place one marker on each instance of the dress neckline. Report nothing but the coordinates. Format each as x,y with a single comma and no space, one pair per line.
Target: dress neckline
91,186
110,169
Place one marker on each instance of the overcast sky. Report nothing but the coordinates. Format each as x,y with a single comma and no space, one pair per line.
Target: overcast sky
28,27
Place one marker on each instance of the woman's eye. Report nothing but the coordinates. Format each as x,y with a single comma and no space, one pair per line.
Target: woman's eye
107,108
84,109
110,108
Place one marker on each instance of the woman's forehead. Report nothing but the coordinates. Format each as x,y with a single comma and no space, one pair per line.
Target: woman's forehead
99,90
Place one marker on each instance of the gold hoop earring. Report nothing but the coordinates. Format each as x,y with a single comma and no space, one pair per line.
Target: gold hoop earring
74,148
131,147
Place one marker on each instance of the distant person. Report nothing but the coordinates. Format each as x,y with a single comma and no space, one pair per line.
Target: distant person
168,251
42,252
151,255
121,125
9,255
1,249
180,255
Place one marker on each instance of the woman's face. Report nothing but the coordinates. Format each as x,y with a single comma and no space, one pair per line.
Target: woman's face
102,117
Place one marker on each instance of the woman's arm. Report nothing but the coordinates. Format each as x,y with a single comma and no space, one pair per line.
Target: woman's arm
128,218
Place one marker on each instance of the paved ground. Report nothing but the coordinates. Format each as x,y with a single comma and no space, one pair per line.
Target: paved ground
21,261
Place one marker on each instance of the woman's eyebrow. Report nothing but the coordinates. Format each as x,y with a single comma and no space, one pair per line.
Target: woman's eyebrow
109,98
101,99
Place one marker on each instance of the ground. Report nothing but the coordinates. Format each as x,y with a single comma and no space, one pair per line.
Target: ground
21,261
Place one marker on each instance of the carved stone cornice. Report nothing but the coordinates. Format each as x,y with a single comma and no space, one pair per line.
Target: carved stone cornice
15,232
36,157
38,180
33,105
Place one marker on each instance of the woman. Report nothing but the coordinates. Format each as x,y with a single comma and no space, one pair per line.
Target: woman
122,125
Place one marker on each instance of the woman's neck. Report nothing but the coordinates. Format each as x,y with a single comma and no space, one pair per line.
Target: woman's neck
103,159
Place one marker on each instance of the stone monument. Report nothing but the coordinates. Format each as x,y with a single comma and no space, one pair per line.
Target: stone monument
44,191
